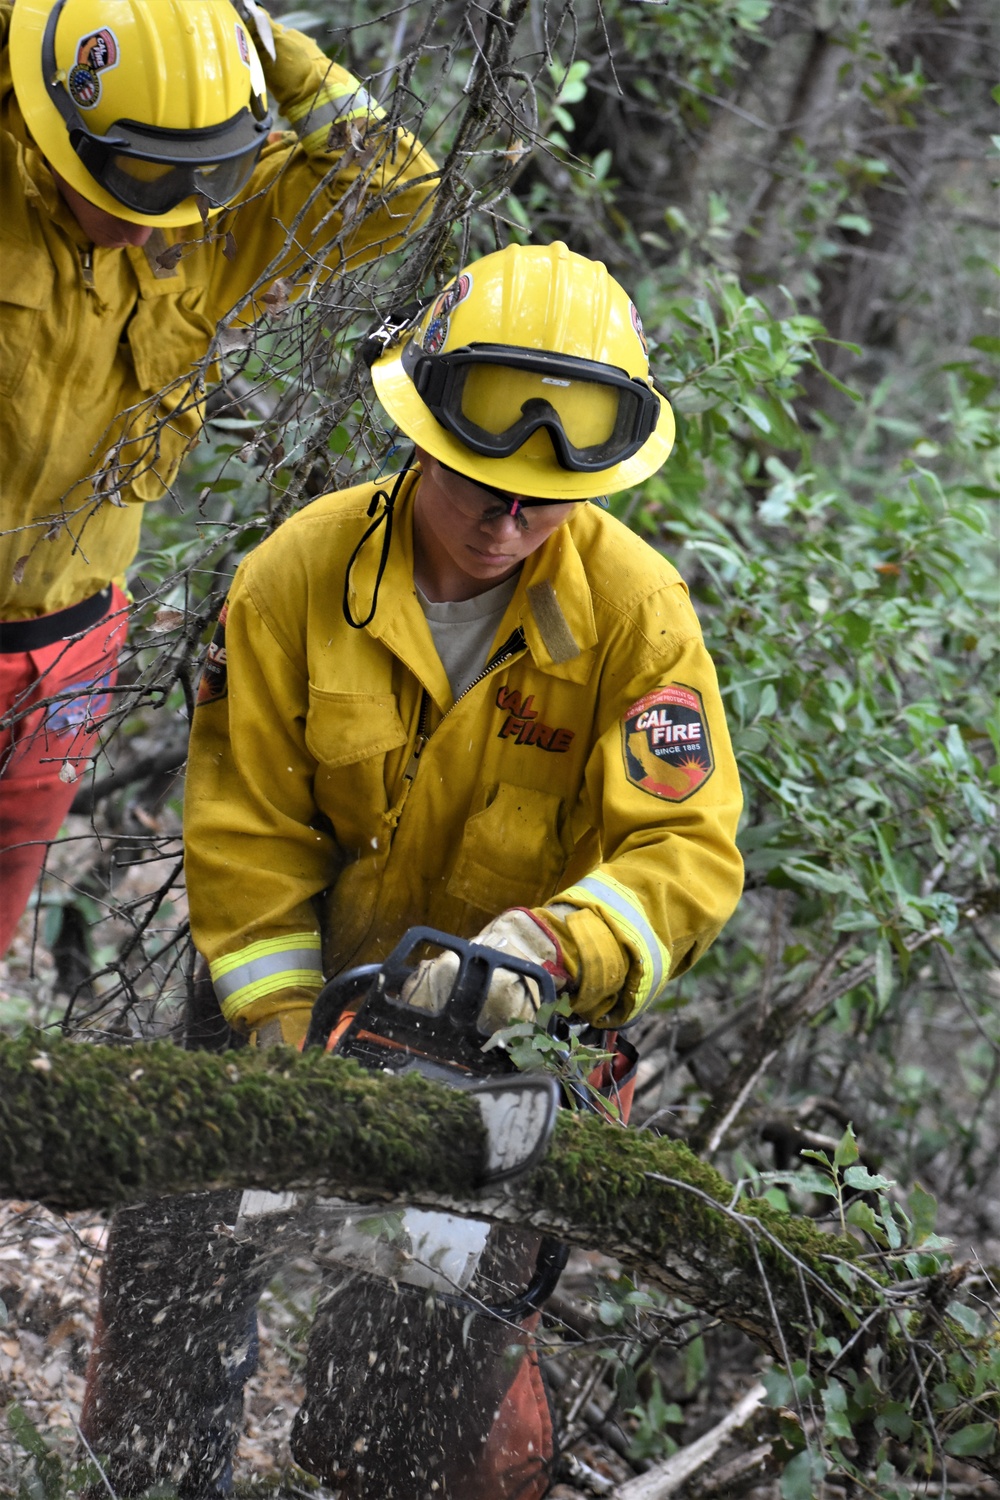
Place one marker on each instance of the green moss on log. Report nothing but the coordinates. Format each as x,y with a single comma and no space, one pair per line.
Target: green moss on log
86,1127
607,1186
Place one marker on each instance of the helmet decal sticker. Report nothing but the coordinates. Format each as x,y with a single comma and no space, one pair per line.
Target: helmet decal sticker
456,293
637,325
436,333
665,743
250,59
95,54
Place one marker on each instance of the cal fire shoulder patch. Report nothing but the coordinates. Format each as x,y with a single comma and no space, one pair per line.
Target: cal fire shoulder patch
213,682
666,744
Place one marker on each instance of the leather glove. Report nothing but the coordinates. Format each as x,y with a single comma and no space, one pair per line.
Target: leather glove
511,997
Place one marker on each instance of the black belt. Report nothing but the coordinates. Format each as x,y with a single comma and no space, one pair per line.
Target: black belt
46,630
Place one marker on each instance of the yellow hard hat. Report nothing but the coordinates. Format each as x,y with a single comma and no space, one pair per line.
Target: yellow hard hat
530,374
146,107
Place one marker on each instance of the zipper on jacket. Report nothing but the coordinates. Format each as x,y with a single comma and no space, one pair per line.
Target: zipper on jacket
512,645
421,739
87,267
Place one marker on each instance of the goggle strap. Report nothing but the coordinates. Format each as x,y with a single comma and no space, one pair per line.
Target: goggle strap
387,331
385,517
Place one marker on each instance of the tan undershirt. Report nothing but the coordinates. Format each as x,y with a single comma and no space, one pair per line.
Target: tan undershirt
463,632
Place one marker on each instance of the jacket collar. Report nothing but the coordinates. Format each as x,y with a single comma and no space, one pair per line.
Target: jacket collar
40,189
40,186
552,603
556,608
36,179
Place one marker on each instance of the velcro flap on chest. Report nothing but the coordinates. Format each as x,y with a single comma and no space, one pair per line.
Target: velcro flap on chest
553,626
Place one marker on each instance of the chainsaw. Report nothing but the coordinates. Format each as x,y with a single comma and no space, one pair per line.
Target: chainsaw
361,1014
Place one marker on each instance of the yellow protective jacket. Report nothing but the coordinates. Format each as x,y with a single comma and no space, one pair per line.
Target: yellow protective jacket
590,765
88,334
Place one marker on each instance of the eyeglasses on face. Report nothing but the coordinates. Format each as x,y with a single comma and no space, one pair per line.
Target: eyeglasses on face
485,503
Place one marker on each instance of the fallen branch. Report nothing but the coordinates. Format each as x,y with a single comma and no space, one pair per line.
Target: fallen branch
91,1126
86,1127
671,1475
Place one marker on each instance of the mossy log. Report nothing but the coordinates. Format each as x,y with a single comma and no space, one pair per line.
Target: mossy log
91,1127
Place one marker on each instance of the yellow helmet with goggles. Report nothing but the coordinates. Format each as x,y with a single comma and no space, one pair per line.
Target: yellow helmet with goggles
530,373
152,109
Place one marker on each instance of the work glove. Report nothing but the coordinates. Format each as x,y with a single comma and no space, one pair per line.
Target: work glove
511,997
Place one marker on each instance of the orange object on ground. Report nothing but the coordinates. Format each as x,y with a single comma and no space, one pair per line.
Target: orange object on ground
516,1463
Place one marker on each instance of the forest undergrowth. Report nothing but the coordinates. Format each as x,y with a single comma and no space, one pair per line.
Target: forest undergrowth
801,199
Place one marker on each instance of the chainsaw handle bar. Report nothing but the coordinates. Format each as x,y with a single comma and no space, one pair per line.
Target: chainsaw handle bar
549,1266
476,967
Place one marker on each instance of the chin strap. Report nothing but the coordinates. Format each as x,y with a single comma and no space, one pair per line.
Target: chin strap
388,500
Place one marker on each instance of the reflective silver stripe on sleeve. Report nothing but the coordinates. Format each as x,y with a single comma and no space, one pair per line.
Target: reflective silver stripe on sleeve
653,955
345,107
267,966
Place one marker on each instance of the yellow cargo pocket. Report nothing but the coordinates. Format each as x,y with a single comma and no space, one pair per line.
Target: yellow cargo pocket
28,280
349,735
511,853
168,338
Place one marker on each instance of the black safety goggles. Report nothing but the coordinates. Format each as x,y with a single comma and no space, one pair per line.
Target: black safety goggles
214,162
596,415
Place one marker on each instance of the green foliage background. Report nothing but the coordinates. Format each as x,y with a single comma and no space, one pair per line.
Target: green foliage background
800,201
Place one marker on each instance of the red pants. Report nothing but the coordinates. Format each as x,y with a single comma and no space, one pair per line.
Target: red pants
52,701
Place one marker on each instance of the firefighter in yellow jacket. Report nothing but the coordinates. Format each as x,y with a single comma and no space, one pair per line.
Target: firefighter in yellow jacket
145,195
465,699
579,757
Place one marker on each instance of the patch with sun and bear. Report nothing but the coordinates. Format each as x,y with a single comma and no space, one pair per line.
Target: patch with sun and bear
666,744
214,676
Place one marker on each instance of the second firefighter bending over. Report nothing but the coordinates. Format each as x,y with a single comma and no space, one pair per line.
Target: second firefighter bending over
144,197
